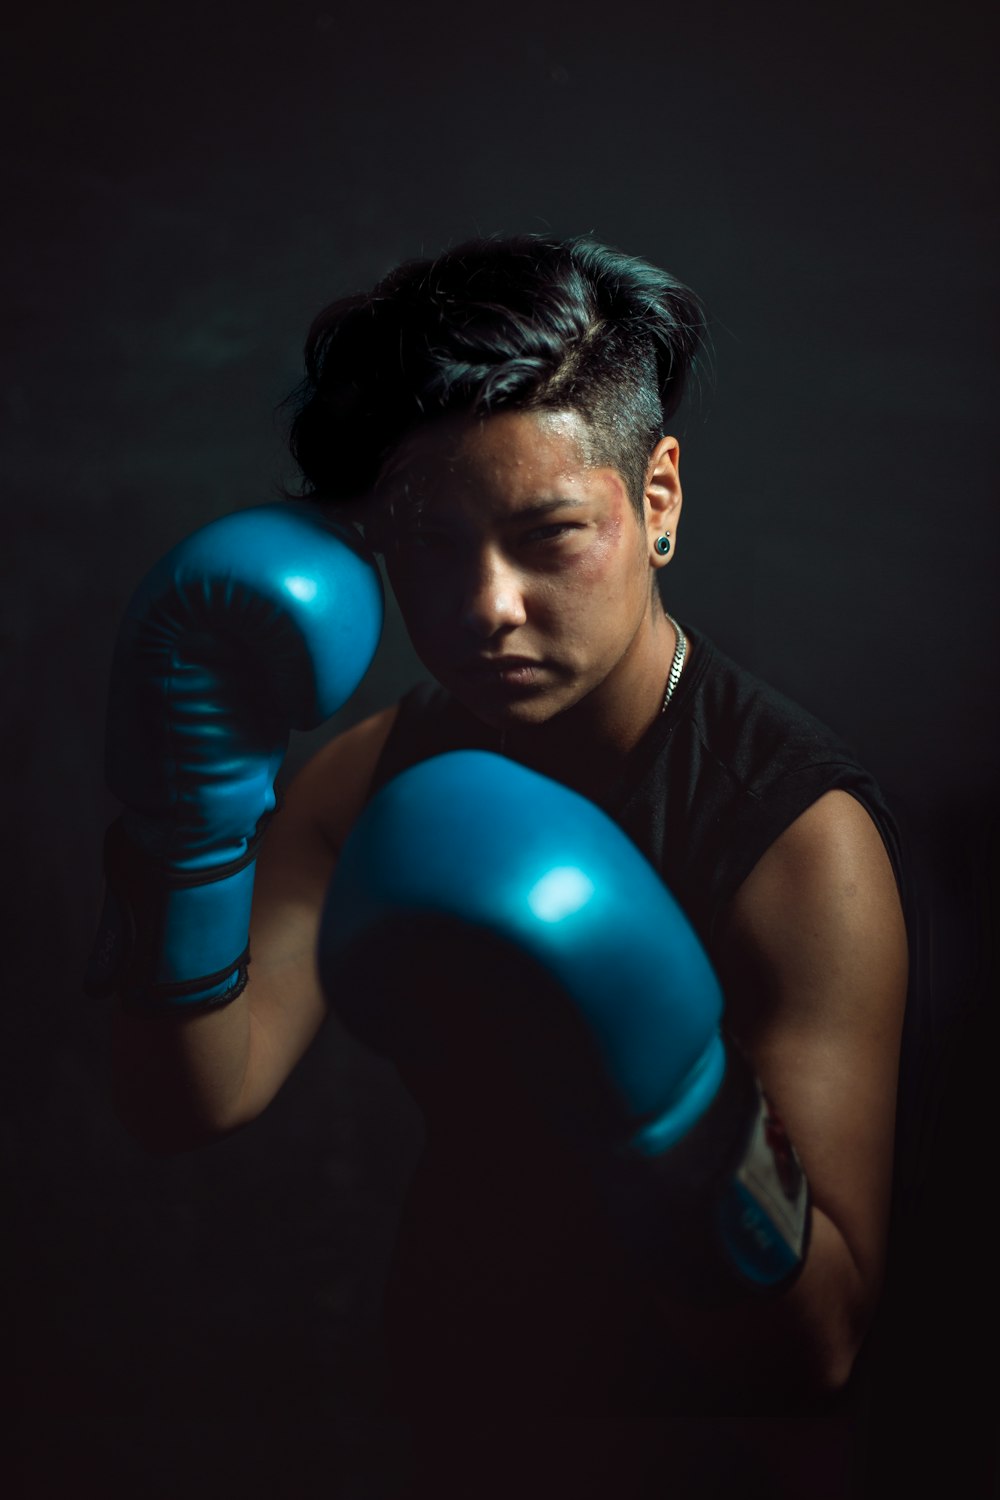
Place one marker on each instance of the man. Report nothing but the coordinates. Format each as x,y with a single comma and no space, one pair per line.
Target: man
496,422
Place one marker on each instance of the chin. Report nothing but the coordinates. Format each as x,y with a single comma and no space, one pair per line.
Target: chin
527,712
508,716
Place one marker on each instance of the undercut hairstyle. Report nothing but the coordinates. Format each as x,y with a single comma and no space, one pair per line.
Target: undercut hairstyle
527,323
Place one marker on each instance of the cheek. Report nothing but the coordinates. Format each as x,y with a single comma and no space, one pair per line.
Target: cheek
608,542
611,558
586,594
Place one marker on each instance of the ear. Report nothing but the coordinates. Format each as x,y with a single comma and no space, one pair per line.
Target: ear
663,498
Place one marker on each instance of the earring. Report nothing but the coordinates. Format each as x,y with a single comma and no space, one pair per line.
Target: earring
662,544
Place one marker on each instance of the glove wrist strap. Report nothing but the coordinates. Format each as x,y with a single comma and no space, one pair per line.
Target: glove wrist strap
725,1214
171,940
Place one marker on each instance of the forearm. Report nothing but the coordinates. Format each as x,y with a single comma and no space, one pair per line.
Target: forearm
181,1080
260,622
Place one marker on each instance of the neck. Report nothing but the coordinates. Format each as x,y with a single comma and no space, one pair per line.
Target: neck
584,747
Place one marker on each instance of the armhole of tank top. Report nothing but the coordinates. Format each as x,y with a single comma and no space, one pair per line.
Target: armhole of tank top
393,756
888,831
857,784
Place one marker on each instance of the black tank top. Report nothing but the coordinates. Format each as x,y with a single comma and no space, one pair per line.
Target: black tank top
506,1287
708,789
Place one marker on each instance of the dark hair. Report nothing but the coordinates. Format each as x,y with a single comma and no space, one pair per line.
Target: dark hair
524,323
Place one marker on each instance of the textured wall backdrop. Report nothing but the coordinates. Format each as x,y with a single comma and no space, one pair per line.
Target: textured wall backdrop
186,186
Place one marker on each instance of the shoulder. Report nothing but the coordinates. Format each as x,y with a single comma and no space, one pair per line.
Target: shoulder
738,767
758,733
814,945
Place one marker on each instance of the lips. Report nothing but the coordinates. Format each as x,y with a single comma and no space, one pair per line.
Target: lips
511,671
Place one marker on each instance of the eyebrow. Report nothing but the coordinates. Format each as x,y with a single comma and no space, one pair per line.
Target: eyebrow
418,508
544,507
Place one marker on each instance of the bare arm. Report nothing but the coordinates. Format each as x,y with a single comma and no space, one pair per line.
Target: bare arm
180,1080
814,966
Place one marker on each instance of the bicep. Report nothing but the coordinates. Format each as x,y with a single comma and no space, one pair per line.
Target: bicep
814,964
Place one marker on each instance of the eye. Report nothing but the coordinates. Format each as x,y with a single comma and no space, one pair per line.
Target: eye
551,532
423,539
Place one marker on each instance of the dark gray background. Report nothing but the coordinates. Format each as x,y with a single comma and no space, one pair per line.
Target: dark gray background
186,185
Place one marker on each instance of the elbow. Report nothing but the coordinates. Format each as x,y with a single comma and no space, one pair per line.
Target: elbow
820,1327
837,1339
833,1368
809,1368
169,1105
162,1137
830,1309
164,1127
792,1353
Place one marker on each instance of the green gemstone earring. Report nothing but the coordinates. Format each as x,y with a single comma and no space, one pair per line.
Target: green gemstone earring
662,544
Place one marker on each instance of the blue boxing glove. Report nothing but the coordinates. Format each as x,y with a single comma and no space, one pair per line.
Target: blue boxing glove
479,909
261,622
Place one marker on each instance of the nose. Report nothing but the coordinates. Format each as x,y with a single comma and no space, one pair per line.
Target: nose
493,597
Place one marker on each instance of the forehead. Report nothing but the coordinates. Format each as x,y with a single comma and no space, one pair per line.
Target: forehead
508,458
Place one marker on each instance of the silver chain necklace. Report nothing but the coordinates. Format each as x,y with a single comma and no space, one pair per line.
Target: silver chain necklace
680,651
673,676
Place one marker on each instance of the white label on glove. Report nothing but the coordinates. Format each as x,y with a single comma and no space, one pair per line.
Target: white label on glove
765,1209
